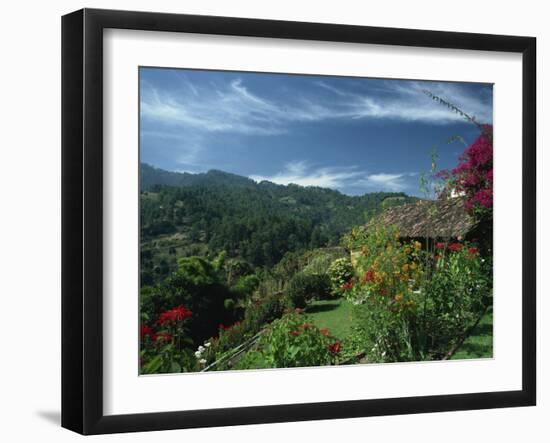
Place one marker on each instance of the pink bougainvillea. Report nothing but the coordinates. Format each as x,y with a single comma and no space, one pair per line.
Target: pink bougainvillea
473,177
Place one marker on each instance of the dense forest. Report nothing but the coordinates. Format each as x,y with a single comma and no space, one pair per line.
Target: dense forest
185,214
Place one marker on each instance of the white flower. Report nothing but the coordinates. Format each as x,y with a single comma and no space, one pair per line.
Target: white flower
202,361
418,291
198,354
201,348
207,344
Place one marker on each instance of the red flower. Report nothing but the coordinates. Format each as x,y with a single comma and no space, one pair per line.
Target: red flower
144,331
347,286
294,333
179,313
222,327
440,245
455,247
473,251
334,348
324,331
162,337
369,276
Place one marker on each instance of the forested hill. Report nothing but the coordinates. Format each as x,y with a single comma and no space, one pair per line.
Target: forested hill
150,176
190,214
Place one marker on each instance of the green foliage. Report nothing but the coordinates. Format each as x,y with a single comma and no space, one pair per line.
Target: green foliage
229,304
355,238
454,297
263,311
293,341
164,346
340,272
236,268
257,315
197,285
319,260
413,304
303,288
246,286
255,222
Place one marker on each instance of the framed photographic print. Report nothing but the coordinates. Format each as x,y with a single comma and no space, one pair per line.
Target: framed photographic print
269,221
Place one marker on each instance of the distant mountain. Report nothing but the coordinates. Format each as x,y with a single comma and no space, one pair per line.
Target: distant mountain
199,214
150,176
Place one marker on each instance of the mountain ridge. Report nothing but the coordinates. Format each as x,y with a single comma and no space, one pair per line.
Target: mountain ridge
183,214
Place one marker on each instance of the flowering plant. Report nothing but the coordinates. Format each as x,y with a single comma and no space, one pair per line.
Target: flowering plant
473,176
340,273
414,302
164,345
293,341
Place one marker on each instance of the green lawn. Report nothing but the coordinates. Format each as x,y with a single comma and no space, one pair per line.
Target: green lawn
332,314
480,343
336,316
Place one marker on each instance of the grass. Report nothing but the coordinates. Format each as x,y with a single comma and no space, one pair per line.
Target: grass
332,314
480,343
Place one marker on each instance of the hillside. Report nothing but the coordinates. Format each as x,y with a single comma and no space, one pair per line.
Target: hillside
186,214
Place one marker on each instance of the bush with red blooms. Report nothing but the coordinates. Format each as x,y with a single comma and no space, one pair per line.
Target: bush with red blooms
179,313
410,303
293,341
164,346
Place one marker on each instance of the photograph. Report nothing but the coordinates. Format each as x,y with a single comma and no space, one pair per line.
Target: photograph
292,220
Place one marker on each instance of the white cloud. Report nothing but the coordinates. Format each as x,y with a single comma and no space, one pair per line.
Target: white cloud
341,178
299,173
386,182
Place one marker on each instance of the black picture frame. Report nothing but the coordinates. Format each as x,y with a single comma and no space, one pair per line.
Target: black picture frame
82,217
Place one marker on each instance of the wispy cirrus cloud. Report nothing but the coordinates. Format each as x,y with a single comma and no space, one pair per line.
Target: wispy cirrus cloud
300,173
387,182
232,107
341,178
407,101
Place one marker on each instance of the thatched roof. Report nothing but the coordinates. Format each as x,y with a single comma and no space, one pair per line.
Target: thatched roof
426,218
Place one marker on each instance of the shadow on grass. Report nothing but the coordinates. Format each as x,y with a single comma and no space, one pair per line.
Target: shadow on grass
475,350
484,329
325,307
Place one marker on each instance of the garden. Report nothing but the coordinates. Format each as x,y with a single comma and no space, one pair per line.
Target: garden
417,289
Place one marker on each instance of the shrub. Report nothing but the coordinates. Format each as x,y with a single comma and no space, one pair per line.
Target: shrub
229,304
303,288
246,285
340,272
473,176
257,315
237,268
456,293
164,344
197,285
263,311
318,261
293,341
414,304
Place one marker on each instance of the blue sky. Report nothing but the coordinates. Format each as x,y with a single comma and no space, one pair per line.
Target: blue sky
356,135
